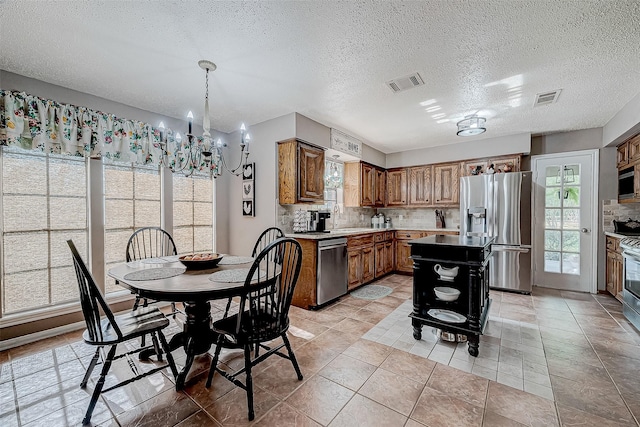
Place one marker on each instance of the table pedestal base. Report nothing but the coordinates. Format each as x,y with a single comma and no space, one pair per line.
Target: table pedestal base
196,337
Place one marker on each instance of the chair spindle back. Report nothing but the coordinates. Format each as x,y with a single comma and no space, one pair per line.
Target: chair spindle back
150,242
275,273
91,299
267,236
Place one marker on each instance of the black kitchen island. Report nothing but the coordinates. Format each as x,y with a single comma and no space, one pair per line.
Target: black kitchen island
452,264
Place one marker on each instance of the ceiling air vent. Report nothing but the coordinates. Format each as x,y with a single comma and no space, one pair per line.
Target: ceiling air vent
547,97
404,83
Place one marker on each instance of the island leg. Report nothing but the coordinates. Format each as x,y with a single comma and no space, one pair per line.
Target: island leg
474,345
417,329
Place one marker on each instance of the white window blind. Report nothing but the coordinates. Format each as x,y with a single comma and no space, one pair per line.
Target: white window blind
44,203
132,200
192,213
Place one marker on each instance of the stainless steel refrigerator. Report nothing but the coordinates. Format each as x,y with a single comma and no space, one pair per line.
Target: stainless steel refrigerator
499,206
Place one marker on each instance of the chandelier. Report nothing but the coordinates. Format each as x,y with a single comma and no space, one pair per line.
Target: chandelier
471,125
198,153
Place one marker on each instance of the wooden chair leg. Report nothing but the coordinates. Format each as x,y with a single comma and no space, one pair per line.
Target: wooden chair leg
156,347
292,356
249,383
167,350
92,365
174,310
214,362
99,385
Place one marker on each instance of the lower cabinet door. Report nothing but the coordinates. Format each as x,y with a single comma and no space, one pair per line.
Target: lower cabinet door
368,264
354,261
403,260
380,259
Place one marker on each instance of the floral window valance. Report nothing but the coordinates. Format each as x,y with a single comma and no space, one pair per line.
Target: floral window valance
33,123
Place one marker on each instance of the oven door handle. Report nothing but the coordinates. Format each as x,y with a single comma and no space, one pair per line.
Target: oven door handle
631,255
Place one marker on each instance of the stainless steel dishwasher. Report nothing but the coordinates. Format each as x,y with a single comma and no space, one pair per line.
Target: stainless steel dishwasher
332,270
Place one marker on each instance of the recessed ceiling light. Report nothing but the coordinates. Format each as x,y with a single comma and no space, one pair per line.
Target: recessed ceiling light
438,116
432,109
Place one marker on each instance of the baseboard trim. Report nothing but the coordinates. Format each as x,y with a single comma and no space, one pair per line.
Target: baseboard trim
37,336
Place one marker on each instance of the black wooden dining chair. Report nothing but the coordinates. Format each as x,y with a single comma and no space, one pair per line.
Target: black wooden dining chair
263,314
267,236
150,242
113,330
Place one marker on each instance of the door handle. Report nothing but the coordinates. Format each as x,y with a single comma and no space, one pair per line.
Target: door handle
585,230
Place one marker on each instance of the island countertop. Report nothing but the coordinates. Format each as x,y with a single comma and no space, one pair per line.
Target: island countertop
456,241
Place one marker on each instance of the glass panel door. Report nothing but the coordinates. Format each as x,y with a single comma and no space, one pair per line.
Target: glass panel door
562,219
563,216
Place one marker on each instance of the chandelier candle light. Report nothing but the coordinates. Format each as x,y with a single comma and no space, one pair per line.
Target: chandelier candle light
199,153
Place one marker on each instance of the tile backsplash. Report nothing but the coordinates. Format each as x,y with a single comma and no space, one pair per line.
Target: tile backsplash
344,217
612,210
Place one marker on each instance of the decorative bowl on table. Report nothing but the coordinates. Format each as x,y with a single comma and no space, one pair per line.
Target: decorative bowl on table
446,294
200,260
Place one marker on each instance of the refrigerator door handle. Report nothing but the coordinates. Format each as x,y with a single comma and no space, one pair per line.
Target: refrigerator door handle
501,248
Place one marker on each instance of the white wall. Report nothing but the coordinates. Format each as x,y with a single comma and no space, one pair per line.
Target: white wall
623,125
476,148
311,131
242,231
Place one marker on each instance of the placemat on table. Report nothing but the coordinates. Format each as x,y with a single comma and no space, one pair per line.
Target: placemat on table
154,273
234,276
233,260
160,260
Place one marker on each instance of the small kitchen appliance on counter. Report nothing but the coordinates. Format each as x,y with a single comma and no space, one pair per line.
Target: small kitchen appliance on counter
321,225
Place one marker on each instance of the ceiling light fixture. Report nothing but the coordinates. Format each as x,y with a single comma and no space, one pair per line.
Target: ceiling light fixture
202,152
471,125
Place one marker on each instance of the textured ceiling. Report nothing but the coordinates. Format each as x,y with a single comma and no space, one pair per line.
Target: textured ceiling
330,60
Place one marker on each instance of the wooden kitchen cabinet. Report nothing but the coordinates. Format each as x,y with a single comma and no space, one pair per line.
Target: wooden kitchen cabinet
380,187
305,292
403,263
300,172
614,268
397,187
354,262
360,260
361,185
384,253
634,149
499,164
446,184
368,264
628,162
623,155
420,186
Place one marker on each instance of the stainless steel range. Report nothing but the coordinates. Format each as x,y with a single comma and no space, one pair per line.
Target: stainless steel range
631,288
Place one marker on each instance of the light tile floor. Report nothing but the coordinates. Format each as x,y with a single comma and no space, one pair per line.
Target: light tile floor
591,355
511,352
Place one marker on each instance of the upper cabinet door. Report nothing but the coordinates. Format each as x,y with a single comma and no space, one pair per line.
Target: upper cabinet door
634,149
420,186
446,184
396,187
368,180
623,155
380,187
310,173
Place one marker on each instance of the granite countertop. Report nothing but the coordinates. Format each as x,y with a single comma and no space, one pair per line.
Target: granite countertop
620,235
345,232
458,241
